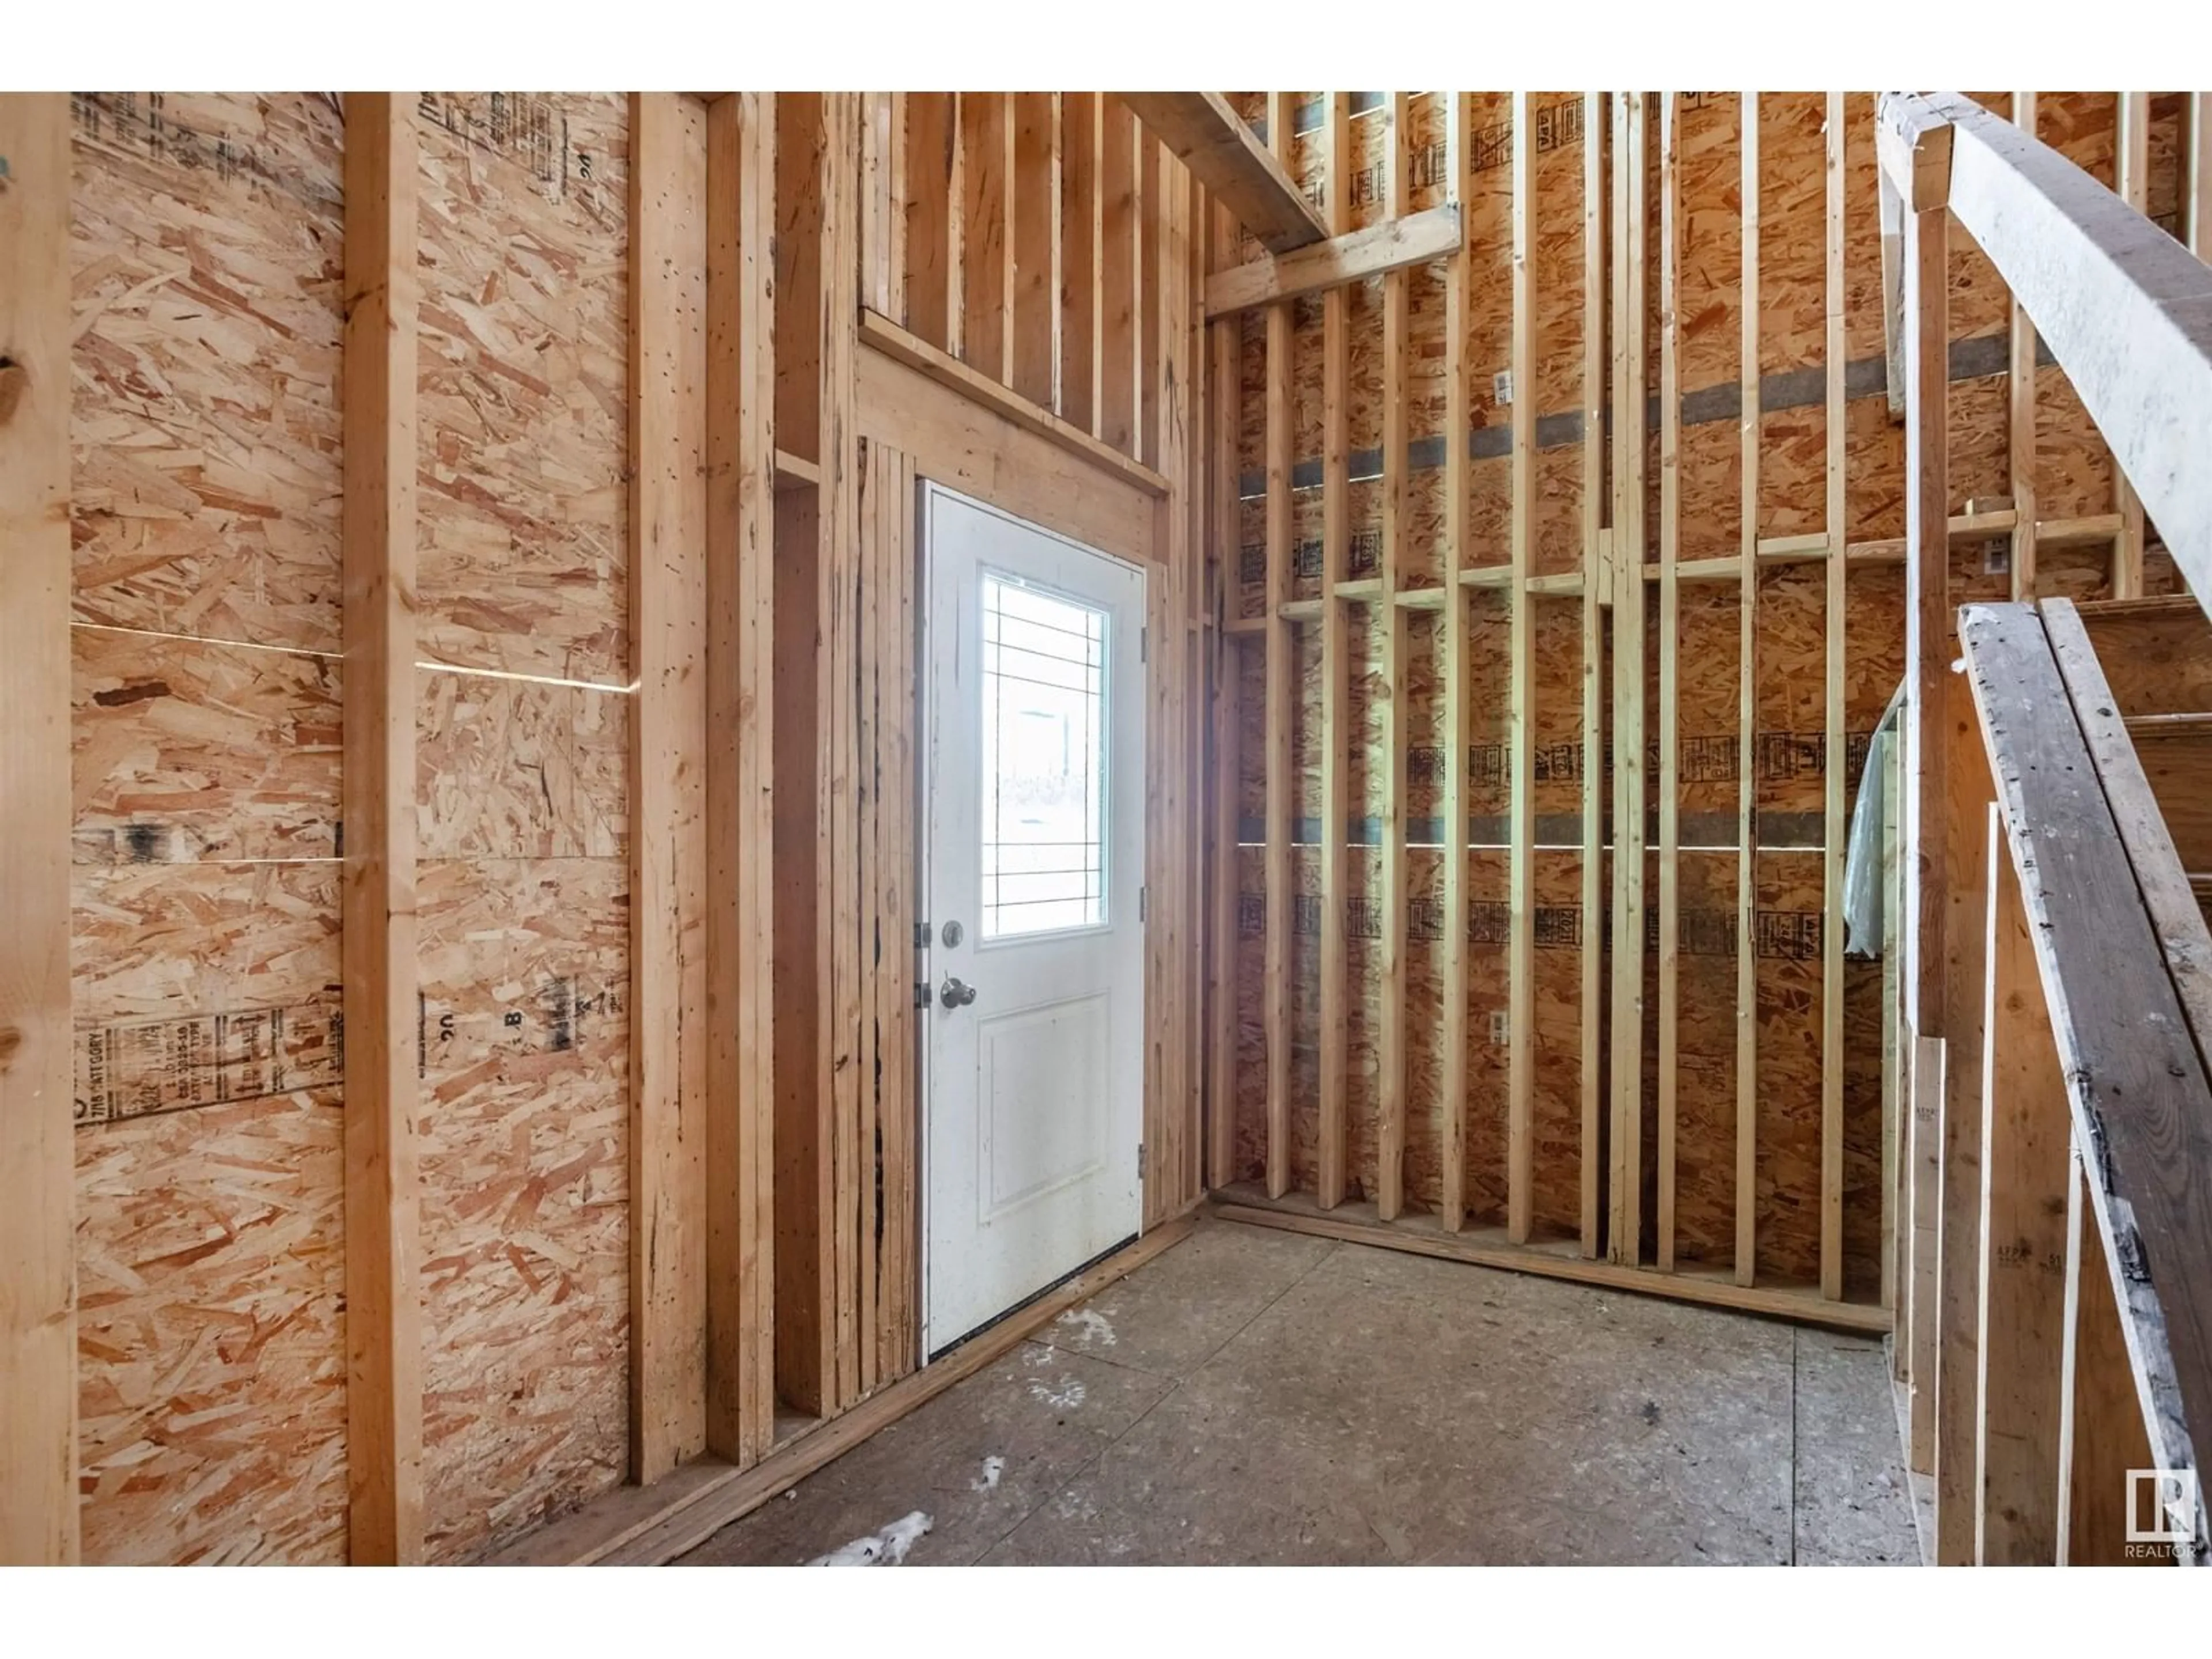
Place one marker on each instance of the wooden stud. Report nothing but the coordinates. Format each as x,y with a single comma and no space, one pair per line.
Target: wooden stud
839,529
2100,1426
1391,620
956,226
1971,832
929,237
1928,617
2020,431
38,1149
1081,338
1595,599
2197,175
1521,858
1670,631
1628,544
1213,142
1833,826
2025,1167
384,1358
883,195
2135,191
1034,208
1276,1006
1222,383
1925,1088
1896,1160
1747,887
740,534
803,1141
899,1268
1458,418
1120,336
667,757
987,266
1335,670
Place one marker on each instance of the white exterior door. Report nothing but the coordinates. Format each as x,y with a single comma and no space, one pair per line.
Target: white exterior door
1034,805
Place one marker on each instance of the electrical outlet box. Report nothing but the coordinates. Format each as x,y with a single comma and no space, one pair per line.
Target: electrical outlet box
1499,1035
1501,387
1997,557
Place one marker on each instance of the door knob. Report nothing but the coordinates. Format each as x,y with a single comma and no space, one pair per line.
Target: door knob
956,993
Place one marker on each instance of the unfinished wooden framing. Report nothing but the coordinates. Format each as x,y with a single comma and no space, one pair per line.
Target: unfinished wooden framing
625,853
1751,679
2054,943
37,1332
621,1148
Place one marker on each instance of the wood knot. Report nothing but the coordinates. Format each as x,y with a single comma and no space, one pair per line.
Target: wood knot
11,1039
15,380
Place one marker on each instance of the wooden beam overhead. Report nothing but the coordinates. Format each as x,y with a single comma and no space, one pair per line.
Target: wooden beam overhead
1225,156
1371,251
38,1151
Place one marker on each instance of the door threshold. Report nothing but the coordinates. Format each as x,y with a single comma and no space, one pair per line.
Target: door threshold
996,1320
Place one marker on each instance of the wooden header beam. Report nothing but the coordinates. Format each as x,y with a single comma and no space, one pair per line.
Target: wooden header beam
1222,154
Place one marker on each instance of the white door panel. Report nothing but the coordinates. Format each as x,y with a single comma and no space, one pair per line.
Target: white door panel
1034,813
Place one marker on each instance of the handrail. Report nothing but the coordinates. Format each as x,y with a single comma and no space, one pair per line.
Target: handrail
2059,971
2125,309
2135,1084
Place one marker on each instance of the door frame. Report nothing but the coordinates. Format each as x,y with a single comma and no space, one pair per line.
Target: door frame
924,775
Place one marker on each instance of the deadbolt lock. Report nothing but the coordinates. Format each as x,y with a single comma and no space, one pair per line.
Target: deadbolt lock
952,934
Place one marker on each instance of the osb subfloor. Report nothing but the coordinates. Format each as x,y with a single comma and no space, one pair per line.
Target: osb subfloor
1258,1396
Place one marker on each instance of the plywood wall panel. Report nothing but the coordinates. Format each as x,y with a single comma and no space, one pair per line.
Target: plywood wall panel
523,381
522,806
185,749
525,978
205,254
516,769
206,244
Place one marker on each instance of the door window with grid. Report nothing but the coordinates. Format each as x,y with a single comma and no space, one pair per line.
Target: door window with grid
1044,761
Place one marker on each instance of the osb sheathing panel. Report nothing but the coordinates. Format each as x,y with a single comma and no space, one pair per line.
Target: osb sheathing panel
510,768
525,978
522,382
522,807
1787,891
206,256
206,261
209,1266
185,749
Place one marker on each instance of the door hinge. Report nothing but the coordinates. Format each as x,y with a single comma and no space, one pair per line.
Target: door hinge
1140,1158
922,936
1144,644
1143,903
922,994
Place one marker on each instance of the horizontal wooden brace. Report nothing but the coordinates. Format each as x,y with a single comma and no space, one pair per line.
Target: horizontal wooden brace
886,337
1432,234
